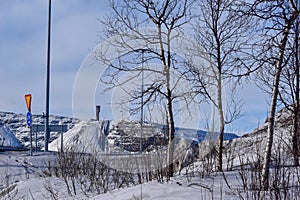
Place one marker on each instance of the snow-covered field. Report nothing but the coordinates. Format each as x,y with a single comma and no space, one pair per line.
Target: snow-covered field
47,175
24,175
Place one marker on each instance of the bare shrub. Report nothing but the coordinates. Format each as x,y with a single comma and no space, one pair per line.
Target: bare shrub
81,171
284,178
51,190
207,164
8,190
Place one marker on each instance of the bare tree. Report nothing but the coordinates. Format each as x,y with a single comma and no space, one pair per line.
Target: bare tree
223,33
279,17
296,103
289,87
128,26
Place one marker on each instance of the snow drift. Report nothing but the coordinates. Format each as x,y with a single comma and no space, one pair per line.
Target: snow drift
7,138
86,136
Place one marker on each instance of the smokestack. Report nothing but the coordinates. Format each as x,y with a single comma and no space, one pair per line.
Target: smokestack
97,112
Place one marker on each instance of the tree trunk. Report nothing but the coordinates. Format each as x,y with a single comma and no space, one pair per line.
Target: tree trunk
296,134
271,122
296,106
171,135
170,116
222,123
169,108
273,105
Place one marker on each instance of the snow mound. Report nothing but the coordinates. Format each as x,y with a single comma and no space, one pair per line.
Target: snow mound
7,138
86,136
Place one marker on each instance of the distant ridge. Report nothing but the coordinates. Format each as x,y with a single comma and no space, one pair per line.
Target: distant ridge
17,124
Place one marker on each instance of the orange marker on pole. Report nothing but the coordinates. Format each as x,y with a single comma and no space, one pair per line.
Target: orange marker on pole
28,101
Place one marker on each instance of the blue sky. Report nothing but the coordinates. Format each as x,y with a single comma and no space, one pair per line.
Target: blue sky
75,32
23,39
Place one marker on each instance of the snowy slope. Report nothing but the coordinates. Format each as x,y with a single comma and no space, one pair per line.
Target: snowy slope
7,138
106,136
251,146
85,136
17,124
117,136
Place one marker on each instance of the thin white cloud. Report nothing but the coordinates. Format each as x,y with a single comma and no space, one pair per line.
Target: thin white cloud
23,30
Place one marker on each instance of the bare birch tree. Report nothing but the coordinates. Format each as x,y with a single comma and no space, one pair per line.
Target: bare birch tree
129,24
289,87
289,82
279,18
223,33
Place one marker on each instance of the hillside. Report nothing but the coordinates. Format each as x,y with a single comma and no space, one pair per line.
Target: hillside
16,123
124,136
120,134
251,146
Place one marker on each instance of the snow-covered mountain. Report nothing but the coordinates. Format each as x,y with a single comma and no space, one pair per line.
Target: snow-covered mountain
110,136
118,133
17,125
200,135
124,136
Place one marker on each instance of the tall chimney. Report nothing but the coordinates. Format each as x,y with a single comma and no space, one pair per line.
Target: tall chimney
97,112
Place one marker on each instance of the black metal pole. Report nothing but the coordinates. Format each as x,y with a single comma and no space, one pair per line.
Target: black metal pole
47,135
142,95
30,140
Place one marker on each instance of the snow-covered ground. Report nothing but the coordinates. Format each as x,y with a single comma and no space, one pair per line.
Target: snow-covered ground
40,176
26,176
